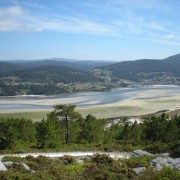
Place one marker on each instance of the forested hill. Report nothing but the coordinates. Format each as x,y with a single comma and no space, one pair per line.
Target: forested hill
129,69
7,67
56,74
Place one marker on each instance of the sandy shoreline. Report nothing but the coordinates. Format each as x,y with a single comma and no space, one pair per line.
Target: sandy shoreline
123,108
144,102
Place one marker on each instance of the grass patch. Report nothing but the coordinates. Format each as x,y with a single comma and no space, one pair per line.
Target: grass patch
110,111
34,115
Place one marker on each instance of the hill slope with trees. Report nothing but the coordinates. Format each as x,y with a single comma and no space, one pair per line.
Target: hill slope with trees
132,69
9,67
77,64
52,73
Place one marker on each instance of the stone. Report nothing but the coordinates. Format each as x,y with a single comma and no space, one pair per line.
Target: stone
9,163
2,166
138,153
25,166
138,170
160,162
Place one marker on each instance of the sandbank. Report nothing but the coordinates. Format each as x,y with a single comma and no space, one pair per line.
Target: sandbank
144,102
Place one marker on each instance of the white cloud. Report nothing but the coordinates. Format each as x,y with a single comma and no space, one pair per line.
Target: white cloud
70,24
18,19
157,26
12,11
10,25
129,24
171,37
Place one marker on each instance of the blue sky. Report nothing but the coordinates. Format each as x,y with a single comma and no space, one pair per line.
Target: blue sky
89,29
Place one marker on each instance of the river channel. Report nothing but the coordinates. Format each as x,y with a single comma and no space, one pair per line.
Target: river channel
114,97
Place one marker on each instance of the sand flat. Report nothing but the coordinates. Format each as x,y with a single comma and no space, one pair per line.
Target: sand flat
134,103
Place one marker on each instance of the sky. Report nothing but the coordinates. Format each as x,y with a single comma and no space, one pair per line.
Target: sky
89,29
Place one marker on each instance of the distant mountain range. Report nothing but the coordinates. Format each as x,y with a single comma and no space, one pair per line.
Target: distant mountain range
11,65
58,76
59,68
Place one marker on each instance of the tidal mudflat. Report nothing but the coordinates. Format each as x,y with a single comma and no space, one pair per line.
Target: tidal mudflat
114,103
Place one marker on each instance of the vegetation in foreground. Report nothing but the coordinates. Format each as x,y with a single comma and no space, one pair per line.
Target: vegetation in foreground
65,129
100,167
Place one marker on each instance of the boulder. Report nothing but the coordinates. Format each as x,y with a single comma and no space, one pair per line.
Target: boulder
160,162
138,153
8,163
138,170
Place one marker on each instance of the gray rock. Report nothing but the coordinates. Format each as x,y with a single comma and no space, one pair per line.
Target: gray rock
2,167
9,163
138,170
160,162
25,166
138,153
162,155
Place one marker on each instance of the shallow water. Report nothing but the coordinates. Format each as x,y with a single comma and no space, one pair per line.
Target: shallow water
90,99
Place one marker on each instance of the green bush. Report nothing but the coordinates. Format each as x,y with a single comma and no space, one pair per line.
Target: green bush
168,173
157,147
13,159
165,174
175,153
67,159
142,161
74,170
102,159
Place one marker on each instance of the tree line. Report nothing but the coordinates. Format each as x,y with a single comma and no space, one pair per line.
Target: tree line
64,125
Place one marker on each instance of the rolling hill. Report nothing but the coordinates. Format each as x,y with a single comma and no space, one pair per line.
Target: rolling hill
8,67
55,74
129,69
77,64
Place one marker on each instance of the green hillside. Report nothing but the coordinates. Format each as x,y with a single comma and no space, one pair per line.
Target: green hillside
54,74
129,69
8,67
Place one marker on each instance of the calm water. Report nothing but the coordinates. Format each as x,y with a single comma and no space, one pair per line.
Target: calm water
87,99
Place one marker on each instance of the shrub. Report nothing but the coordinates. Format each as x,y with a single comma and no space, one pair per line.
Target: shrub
67,159
102,159
168,173
142,161
165,174
74,170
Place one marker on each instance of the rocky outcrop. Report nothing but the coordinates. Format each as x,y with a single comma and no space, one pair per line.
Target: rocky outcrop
160,162
138,153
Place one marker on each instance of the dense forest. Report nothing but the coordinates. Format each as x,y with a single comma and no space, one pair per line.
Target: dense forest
44,80
56,74
64,127
131,69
